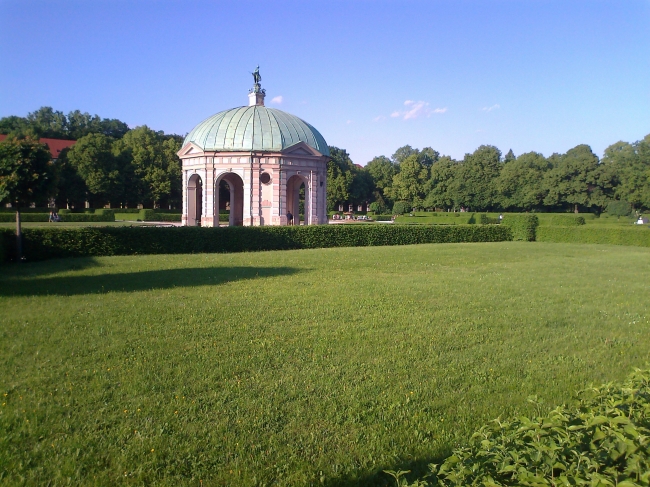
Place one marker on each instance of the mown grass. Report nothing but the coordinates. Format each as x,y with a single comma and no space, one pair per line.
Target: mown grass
299,367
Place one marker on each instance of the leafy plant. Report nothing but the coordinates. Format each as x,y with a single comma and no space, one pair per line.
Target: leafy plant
603,441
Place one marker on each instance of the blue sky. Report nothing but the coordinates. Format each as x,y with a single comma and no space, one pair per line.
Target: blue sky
371,76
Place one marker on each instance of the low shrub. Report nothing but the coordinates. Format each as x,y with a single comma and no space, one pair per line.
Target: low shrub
382,218
4,209
523,227
485,219
635,236
46,243
602,441
561,220
170,217
463,218
24,217
401,207
147,215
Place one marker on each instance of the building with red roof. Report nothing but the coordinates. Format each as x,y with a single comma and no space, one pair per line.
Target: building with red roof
55,145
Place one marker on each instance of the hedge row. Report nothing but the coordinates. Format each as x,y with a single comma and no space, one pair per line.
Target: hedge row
46,243
98,216
147,215
636,236
523,227
562,220
171,217
24,217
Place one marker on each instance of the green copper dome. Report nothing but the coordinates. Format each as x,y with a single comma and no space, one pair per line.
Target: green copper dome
255,128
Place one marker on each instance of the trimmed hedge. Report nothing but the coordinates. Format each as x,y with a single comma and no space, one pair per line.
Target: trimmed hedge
485,219
523,227
103,215
4,209
46,243
562,220
639,237
24,217
171,217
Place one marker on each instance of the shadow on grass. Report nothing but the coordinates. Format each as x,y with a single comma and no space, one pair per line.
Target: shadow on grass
135,281
418,469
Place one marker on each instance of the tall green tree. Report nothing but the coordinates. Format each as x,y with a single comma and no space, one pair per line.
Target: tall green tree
520,182
630,164
475,185
71,189
340,176
144,149
438,187
100,168
403,153
26,171
428,157
409,183
381,170
26,175
573,180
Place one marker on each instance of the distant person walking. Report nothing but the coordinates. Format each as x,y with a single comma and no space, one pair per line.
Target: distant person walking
289,218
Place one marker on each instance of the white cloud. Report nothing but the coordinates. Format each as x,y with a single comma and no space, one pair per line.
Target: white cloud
277,100
349,122
415,109
489,109
379,118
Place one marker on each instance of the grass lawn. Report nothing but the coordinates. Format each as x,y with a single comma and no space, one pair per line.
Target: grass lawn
299,367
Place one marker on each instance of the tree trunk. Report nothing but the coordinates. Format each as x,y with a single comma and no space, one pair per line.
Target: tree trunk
575,208
19,237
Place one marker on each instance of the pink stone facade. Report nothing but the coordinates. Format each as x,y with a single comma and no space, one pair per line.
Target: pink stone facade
254,202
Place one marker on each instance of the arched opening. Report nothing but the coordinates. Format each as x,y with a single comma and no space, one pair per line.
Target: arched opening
297,203
194,200
230,188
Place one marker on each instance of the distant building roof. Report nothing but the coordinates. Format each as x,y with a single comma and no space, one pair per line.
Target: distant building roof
55,145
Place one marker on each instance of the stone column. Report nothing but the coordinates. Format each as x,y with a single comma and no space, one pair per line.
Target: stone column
282,198
184,193
207,219
255,192
247,198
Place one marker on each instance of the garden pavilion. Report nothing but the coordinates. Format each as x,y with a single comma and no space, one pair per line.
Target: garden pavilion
265,157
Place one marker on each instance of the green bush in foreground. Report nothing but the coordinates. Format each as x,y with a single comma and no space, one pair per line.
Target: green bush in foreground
639,237
604,441
40,244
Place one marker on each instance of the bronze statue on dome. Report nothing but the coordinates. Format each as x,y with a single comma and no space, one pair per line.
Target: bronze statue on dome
256,75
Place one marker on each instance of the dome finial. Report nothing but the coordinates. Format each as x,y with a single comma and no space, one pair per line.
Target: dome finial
256,94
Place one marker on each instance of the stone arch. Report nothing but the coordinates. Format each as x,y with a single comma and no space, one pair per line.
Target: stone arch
194,200
236,187
294,183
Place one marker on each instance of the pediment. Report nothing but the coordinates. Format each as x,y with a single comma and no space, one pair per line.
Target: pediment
189,149
301,149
